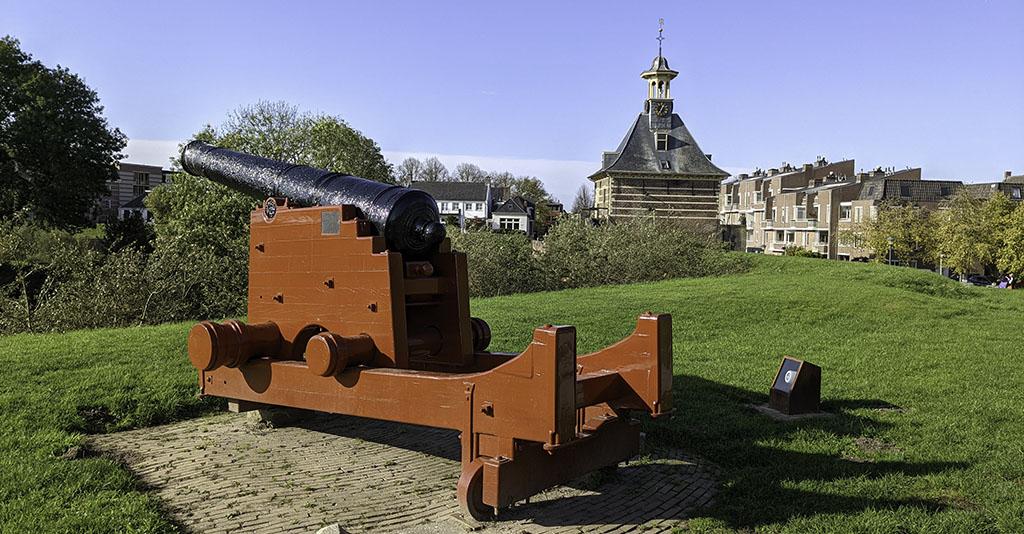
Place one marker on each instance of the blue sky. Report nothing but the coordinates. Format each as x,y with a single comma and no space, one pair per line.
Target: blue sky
543,88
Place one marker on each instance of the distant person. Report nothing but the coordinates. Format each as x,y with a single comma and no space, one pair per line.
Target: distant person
1004,282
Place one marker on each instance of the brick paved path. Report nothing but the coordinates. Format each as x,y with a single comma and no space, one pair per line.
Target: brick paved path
229,473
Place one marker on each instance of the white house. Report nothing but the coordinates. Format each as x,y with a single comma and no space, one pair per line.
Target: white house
471,199
516,213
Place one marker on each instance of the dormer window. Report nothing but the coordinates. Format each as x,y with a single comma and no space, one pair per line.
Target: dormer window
661,141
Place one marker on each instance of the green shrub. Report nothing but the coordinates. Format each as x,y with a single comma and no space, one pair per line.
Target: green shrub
91,290
576,253
132,231
199,267
499,263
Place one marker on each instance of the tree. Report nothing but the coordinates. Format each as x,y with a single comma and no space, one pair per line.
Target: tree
202,227
409,171
1010,258
995,214
467,172
501,179
433,170
900,230
584,199
57,152
964,234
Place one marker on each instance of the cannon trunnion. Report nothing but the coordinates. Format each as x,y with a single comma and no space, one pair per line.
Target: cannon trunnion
342,321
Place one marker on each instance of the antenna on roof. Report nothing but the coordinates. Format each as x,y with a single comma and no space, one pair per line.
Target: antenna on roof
661,28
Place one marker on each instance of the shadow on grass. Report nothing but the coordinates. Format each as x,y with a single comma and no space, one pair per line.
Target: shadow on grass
759,468
753,460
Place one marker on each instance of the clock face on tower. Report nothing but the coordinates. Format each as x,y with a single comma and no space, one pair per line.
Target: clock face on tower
662,109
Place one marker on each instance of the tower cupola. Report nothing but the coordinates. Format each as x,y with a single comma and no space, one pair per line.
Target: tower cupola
658,105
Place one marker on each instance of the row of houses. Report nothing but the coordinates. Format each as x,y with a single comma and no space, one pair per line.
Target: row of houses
482,205
814,205
478,204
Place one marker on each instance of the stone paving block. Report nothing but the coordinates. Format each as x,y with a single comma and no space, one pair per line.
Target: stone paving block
229,473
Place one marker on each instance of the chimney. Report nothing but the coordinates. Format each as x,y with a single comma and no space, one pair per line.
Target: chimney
1007,175
744,176
808,167
773,172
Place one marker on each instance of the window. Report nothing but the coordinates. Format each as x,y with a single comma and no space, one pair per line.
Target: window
1015,193
479,206
905,190
661,141
790,237
507,223
823,237
844,211
142,178
758,196
773,213
666,165
858,214
444,206
780,236
800,212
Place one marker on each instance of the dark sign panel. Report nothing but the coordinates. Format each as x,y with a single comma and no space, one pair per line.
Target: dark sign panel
797,387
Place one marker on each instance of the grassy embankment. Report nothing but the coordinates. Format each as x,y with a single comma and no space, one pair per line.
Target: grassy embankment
924,376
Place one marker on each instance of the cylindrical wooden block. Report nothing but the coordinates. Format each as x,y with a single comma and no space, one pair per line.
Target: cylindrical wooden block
212,345
328,354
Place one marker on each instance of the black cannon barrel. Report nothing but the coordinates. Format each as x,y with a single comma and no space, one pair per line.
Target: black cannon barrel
407,218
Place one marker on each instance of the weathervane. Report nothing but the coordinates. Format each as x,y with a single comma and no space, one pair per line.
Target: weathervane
661,28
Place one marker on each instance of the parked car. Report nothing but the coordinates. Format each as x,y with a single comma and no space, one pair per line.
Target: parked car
980,280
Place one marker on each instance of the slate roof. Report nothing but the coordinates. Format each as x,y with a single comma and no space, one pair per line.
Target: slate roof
137,202
986,190
637,154
453,190
516,205
917,190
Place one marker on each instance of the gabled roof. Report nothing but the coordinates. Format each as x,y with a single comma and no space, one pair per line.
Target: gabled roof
637,154
515,205
453,190
137,202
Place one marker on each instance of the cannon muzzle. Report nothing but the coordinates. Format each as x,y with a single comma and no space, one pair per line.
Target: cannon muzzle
407,218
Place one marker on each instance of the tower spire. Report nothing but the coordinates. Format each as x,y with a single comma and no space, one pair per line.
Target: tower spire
661,28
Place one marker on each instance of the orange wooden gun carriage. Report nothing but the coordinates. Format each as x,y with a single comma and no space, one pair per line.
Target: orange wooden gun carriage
347,317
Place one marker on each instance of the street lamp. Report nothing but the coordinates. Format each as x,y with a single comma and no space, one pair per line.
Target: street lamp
891,242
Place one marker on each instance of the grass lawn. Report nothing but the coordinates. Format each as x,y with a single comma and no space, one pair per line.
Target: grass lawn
925,378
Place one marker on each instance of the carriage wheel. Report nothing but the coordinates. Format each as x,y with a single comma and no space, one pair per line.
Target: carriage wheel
471,493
